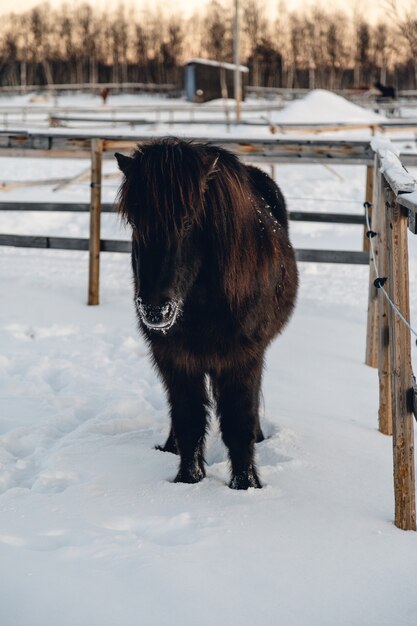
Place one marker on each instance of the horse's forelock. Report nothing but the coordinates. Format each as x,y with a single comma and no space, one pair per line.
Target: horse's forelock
165,187
171,181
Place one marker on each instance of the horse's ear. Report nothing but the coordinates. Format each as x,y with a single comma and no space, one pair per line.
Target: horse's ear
124,162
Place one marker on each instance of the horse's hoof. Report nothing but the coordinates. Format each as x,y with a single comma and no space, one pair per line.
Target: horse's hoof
245,480
190,476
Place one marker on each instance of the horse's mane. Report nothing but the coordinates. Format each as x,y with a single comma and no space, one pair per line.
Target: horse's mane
172,182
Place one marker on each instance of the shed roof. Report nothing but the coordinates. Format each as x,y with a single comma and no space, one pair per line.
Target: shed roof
227,66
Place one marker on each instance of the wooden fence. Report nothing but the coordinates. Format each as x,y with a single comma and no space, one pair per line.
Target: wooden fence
391,211
388,335
268,151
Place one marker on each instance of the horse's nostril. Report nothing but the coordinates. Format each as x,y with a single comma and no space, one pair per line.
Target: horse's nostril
158,317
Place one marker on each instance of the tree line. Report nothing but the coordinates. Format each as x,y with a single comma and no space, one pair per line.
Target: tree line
313,47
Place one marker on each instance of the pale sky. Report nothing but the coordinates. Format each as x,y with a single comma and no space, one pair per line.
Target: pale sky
369,8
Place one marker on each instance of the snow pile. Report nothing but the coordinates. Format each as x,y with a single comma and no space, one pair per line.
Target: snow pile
321,107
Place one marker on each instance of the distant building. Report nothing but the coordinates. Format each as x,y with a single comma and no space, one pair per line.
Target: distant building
207,80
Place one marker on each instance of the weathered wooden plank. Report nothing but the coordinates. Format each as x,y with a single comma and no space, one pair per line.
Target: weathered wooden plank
95,207
60,120
109,245
95,113
401,371
384,363
56,243
77,207
332,218
371,355
24,241
114,245
89,87
62,243
412,222
297,216
369,197
409,201
277,150
63,120
332,256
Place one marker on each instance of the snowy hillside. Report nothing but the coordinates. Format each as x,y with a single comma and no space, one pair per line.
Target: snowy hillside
92,531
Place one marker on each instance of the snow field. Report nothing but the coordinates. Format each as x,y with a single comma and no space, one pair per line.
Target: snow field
85,494
92,531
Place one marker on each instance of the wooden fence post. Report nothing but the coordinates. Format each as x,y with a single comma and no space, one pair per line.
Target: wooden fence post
369,197
401,371
95,210
371,356
384,364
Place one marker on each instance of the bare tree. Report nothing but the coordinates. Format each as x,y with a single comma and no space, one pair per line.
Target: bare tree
319,47
218,37
405,20
362,41
381,49
256,29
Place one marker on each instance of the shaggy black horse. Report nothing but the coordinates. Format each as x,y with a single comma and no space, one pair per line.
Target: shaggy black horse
215,280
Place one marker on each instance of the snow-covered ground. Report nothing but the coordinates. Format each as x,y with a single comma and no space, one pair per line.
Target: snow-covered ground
92,531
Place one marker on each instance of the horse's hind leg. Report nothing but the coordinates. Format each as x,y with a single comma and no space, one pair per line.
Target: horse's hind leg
188,401
237,404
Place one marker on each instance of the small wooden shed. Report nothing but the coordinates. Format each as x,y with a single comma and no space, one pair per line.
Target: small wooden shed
207,80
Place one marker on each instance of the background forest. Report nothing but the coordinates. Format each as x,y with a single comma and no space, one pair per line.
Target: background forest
311,48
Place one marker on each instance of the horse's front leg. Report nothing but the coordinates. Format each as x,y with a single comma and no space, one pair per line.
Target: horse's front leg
238,407
188,406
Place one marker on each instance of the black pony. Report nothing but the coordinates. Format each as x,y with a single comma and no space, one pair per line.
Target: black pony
215,280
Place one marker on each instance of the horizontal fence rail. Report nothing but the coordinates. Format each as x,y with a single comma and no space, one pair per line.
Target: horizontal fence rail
80,207
113,245
71,243
152,87
60,144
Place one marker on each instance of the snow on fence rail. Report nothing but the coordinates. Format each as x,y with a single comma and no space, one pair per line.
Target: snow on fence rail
394,209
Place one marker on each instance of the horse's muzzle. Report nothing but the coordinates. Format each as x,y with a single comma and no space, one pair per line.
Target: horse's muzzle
160,318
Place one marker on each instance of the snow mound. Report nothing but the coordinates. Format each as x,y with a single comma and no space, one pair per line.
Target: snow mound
321,107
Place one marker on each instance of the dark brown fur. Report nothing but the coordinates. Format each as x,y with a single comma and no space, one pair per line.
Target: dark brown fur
211,234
